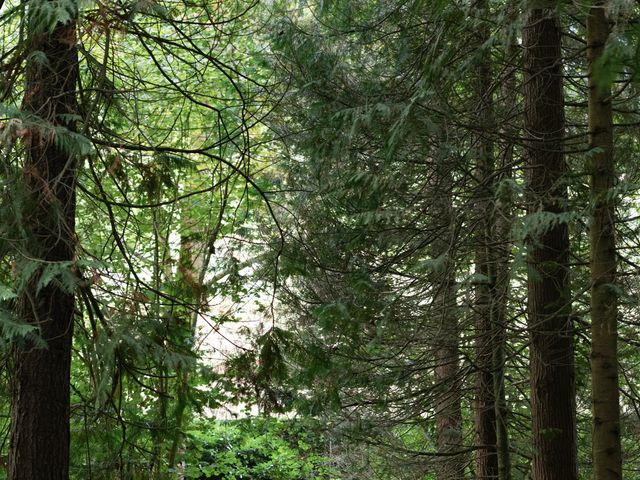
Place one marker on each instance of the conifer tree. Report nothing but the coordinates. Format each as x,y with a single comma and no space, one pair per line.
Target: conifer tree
606,449
486,458
41,377
552,370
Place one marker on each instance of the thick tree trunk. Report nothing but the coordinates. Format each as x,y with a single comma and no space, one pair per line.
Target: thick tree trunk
607,457
40,385
553,408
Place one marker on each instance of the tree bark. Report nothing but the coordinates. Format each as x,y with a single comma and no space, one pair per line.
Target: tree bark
40,437
606,449
492,458
553,408
449,466
486,460
502,254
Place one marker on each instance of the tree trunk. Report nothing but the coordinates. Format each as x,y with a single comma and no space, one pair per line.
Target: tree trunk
553,408
500,258
195,256
486,460
607,457
449,466
499,295
502,254
40,384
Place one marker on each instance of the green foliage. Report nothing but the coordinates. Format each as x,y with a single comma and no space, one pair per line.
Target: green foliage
375,188
257,449
46,15
59,273
537,224
20,123
14,329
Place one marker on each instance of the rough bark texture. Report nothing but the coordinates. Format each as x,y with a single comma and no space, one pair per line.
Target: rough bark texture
486,459
607,458
448,411
449,466
553,407
40,385
492,457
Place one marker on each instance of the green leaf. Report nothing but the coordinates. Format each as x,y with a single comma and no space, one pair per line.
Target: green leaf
73,143
432,265
26,269
38,57
59,273
537,223
46,15
7,293
14,328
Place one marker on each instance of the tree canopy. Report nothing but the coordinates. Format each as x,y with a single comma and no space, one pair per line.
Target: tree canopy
334,240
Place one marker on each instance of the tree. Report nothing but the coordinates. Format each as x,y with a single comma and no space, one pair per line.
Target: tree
448,393
370,269
414,215
553,408
92,128
40,386
486,461
385,181
606,450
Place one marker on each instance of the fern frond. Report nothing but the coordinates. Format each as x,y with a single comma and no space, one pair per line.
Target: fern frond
60,274
46,15
14,329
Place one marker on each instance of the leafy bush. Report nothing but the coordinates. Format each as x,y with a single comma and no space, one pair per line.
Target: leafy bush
257,449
